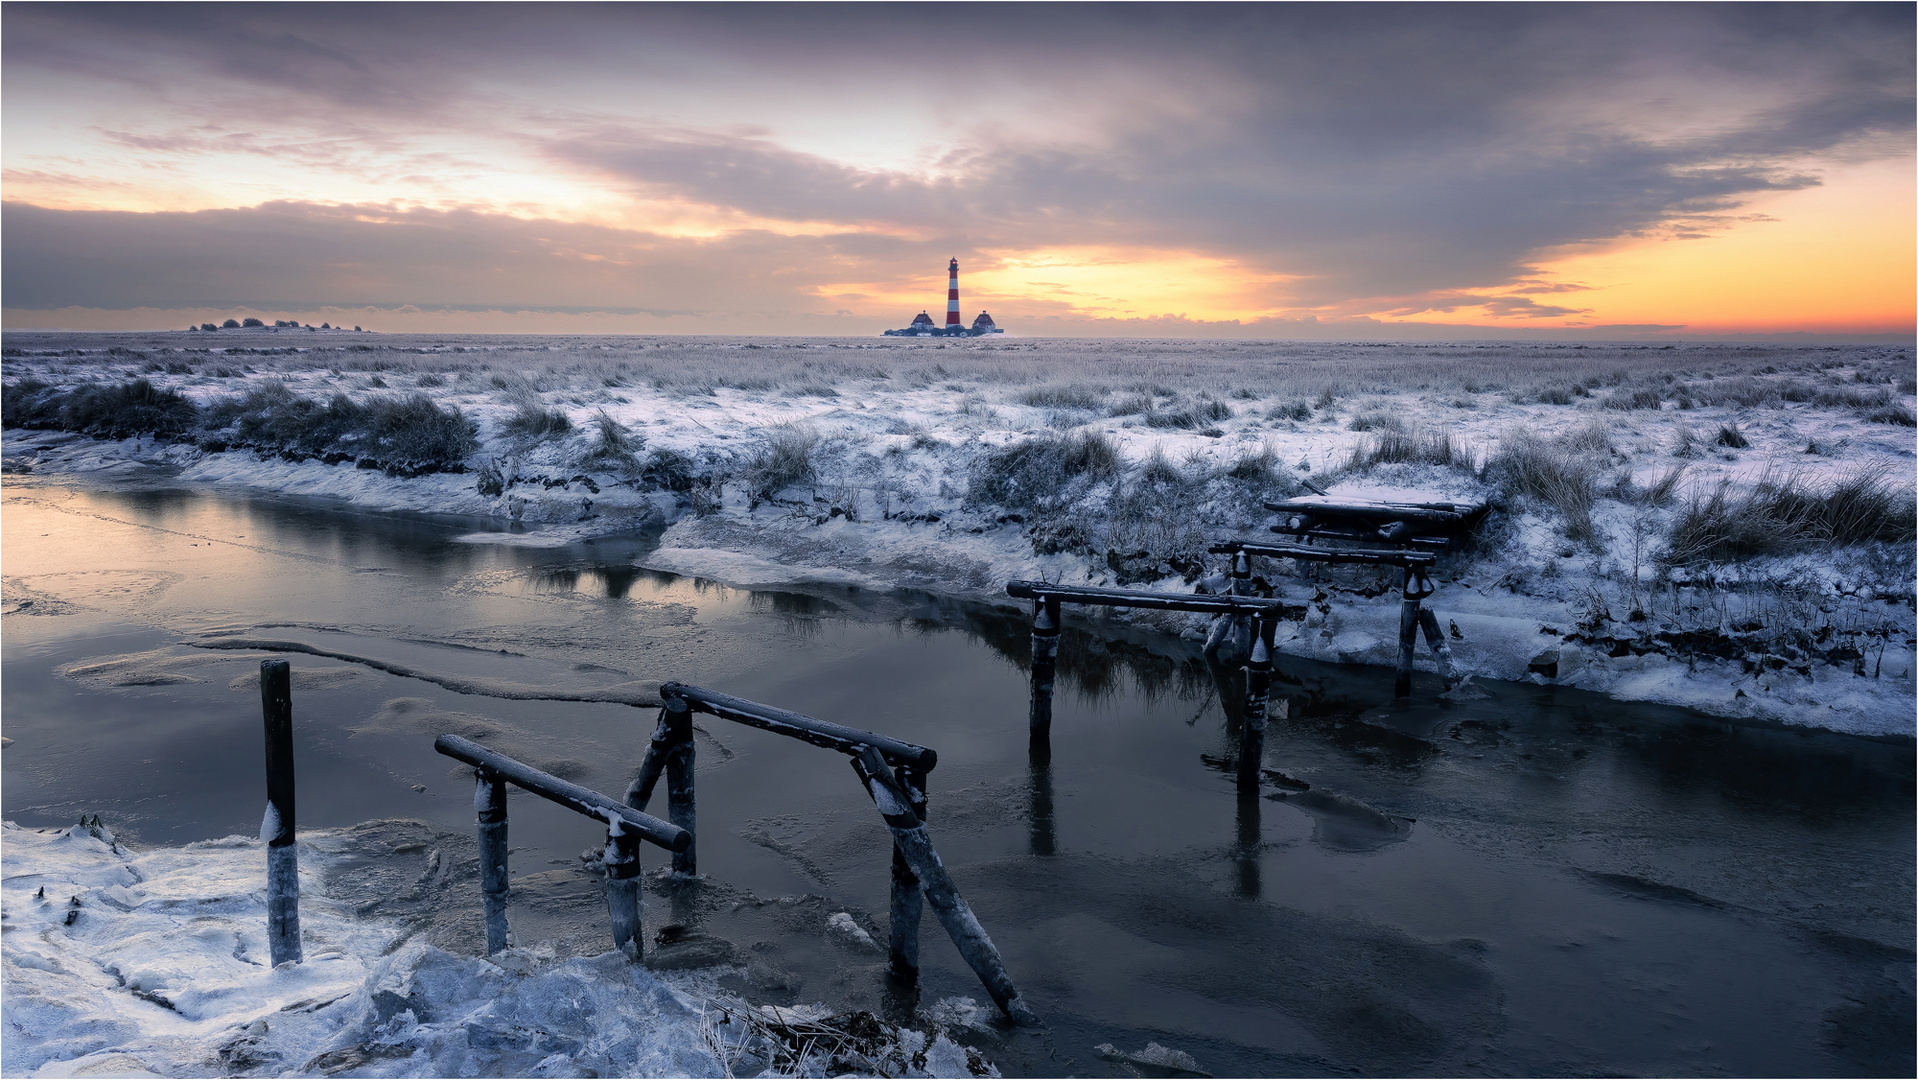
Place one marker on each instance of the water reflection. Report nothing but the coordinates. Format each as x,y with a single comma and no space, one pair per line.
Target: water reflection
1245,855
1042,833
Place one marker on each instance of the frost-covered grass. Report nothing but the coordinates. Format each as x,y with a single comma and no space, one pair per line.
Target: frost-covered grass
1638,488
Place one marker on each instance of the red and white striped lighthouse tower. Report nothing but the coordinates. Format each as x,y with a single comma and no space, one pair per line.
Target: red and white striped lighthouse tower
952,297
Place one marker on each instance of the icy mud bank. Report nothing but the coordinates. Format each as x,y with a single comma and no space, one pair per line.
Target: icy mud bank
1823,639
153,963
1499,625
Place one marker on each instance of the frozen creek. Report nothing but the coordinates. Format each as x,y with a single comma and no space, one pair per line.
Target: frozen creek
1516,879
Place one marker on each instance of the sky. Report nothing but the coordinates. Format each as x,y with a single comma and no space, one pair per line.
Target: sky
1343,171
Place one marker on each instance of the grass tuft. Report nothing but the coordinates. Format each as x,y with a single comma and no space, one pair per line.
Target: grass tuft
536,423
1039,473
1401,447
1561,473
786,459
1781,516
1067,396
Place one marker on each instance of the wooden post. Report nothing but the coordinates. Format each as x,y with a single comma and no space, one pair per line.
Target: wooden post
679,782
1408,637
910,840
489,806
1241,574
623,902
1045,655
907,903
1436,639
1416,589
276,827
1258,684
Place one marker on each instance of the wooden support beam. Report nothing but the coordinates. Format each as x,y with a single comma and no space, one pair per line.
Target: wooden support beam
800,726
1134,598
1374,557
910,839
578,799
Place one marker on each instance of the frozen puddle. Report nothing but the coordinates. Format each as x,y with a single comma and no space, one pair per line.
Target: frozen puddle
125,963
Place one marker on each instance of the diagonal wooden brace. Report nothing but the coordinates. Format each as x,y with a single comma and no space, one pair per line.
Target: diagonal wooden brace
915,847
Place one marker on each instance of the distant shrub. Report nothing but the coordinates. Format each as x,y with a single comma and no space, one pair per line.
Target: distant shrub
1289,410
254,322
1036,473
208,326
230,324
531,421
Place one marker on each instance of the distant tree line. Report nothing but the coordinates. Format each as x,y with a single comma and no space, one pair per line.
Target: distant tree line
278,324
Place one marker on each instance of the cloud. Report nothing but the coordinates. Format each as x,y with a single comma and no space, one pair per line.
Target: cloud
1362,159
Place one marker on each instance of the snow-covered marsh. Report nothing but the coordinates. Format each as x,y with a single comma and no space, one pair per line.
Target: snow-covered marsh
1722,526
153,963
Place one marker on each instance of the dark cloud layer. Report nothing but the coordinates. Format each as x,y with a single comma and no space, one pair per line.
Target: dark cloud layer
1379,152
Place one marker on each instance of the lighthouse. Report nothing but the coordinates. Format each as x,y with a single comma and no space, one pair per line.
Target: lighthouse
923,326
952,297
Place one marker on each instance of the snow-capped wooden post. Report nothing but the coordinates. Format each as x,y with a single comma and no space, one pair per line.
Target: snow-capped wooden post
276,828
911,841
907,903
1045,658
622,889
1258,685
489,805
